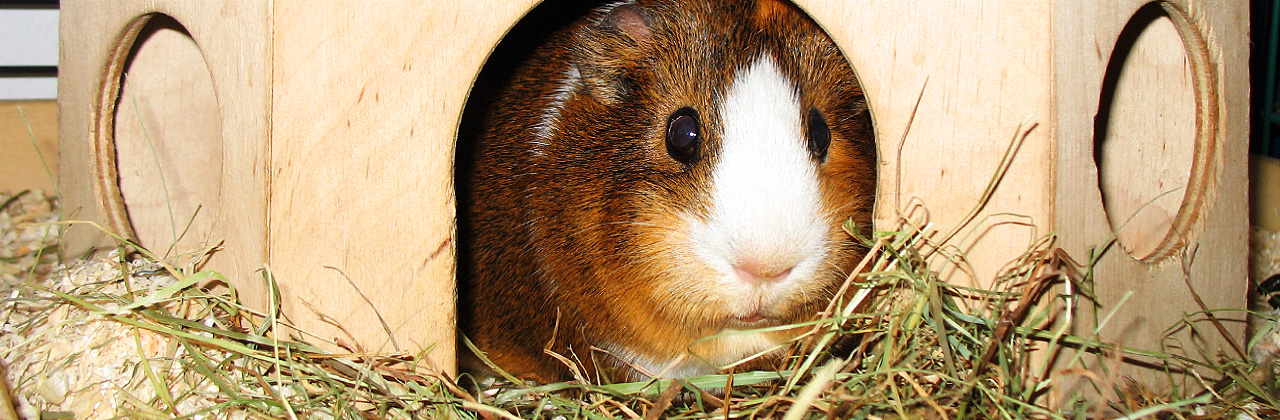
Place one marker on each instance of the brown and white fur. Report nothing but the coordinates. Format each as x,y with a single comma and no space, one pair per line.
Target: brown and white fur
585,227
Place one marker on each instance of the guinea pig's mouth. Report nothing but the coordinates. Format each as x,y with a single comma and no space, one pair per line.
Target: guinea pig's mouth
753,320
757,312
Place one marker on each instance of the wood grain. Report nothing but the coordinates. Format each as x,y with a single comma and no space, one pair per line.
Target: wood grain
362,156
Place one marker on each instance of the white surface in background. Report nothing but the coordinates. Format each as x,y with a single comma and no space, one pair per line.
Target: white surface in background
12,88
28,37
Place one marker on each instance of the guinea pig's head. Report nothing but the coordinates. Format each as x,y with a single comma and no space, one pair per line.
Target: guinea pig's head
724,146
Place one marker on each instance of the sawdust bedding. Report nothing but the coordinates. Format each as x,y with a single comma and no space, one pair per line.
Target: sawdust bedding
64,360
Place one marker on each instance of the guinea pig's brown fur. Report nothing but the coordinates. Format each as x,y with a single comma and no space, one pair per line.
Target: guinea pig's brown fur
587,226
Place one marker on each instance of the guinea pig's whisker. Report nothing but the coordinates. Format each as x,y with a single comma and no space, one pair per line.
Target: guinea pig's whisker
624,223
840,211
647,259
833,266
671,268
628,258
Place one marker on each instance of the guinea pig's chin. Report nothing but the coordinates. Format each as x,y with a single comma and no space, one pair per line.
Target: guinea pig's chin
750,322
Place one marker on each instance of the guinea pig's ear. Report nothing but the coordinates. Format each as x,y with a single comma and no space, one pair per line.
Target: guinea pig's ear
607,48
630,20
773,13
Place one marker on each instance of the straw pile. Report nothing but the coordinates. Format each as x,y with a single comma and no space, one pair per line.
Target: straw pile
128,335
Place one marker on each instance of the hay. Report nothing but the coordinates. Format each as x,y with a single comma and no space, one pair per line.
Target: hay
127,335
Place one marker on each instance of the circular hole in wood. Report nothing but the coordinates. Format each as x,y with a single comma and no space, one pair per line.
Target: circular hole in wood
1155,138
160,139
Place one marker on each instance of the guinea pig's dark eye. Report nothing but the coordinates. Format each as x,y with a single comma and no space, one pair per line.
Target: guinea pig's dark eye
684,133
819,134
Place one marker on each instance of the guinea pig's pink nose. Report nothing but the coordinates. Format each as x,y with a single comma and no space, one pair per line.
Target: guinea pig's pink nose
752,271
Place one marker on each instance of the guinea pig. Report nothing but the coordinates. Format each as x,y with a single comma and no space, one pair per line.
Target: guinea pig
657,183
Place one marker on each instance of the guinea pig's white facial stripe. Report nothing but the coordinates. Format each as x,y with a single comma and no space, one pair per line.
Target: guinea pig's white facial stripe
546,127
765,195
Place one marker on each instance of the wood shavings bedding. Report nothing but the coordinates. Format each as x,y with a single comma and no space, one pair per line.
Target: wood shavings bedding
62,359
27,240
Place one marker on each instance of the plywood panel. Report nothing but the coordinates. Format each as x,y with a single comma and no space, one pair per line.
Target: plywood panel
233,38
362,206
980,71
28,145
1212,263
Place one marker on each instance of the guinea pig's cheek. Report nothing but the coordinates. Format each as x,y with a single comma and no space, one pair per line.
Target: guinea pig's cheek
669,270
